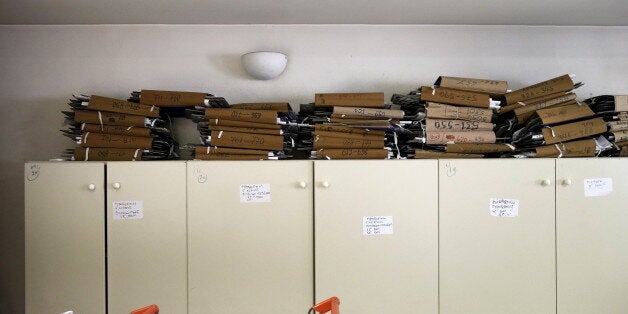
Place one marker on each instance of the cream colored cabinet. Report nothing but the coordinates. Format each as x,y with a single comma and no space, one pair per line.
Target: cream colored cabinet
496,236
250,237
376,235
146,236
65,237
592,235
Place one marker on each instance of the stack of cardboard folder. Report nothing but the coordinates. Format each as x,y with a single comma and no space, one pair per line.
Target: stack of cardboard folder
348,126
111,129
247,131
459,116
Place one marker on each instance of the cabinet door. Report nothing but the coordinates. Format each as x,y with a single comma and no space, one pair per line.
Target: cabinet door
146,236
376,235
250,237
496,228
65,237
592,235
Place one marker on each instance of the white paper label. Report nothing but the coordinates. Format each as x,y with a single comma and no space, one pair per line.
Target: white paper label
128,210
255,193
377,225
598,187
503,207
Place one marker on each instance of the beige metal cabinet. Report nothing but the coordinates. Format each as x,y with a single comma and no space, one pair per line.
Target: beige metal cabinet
376,235
146,236
496,236
65,237
592,235
250,237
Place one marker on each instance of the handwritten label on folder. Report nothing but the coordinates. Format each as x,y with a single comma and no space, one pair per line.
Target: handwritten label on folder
503,207
255,193
377,225
128,210
598,187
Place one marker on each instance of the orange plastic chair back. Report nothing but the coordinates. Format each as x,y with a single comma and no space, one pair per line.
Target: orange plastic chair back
151,309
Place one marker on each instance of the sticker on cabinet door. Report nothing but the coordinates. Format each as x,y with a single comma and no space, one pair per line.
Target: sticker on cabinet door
598,187
504,207
377,225
128,210
255,193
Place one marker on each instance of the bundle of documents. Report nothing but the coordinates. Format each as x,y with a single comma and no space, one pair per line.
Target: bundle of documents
175,102
454,111
111,129
595,127
249,131
348,126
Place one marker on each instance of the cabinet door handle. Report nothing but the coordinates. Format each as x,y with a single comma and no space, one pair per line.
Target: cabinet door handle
546,182
91,187
117,186
325,184
567,182
303,184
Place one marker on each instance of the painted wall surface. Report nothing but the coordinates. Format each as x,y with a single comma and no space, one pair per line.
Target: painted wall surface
42,66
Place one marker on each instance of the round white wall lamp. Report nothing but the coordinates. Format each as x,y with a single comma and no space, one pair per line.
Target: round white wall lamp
264,65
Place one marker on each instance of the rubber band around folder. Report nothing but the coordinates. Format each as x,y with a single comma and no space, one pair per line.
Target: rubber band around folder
102,127
220,134
85,137
135,155
87,154
512,147
521,103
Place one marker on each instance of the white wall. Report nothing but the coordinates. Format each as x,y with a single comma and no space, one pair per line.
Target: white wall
41,66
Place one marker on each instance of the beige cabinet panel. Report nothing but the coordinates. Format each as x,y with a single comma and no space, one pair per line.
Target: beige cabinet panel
65,237
250,237
376,235
146,236
592,235
495,259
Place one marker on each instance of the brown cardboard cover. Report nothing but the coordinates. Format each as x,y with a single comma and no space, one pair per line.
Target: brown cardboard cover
427,154
87,116
436,125
337,142
618,125
492,87
162,98
115,141
534,101
370,100
623,116
221,156
441,111
455,97
621,144
621,136
116,129
208,150
523,117
575,130
245,130
555,85
121,106
272,106
621,103
624,152
246,140
441,138
369,112
345,116
564,113
256,116
348,135
581,148
544,104
478,148
371,123
244,124
346,129
352,153
107,154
